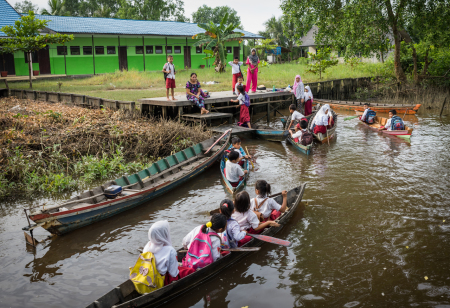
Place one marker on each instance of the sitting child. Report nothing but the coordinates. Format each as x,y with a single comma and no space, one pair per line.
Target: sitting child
302,135
323,120
263,206
203,243
165,255
369,115
394,122
233,233
295,115
246,218
233,172
236,145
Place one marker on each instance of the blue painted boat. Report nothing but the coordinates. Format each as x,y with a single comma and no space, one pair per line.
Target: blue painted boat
227,184
161,177
304,149
267,133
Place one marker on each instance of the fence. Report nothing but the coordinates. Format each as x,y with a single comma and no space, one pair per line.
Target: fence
339,89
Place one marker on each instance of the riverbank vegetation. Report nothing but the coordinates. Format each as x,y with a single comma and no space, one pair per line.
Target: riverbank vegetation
54,147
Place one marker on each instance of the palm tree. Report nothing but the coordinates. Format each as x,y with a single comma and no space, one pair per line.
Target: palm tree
214,38
56,8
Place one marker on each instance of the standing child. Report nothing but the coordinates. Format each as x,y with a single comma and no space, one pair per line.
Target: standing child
252,71
169,69
247,219
244,102
195,94
236,71
308,101
296,116
236,146
233,232
240,82
299,92
263,206
233,171
203,243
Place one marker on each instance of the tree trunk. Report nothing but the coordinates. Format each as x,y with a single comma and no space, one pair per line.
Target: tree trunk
399,73
415,69
30,69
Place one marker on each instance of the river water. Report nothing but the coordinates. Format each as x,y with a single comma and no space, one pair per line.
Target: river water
376,231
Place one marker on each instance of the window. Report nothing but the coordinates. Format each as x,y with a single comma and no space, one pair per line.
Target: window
139,50
148,49
99,50
87,50
158,49
61,50
34,57
75,50
229,50
198,49
168,49
177,49
111,50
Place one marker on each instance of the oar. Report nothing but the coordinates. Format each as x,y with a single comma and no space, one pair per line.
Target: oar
220,138
238,249
270,239
216,211
246,151
349,118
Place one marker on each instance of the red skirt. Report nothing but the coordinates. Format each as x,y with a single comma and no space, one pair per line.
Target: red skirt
245,240
274,215
320,129
308,107
183,272
244,116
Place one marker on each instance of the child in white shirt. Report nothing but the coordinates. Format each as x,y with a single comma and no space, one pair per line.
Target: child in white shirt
265,207
233,172
299,130
236,71
295,115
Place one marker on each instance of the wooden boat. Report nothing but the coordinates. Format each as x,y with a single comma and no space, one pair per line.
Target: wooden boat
125,295
330,132
266,132
304,149
359,106
227,184
162,176
380,121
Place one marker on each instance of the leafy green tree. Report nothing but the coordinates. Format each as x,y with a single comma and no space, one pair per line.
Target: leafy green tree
214,38
206,14
25,6
321,61
152,10
24,36
56,8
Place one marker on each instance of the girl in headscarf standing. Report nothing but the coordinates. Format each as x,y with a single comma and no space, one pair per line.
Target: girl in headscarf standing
308,101
323,120
252,71
299,92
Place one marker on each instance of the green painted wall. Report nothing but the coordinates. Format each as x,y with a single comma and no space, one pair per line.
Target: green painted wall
108,63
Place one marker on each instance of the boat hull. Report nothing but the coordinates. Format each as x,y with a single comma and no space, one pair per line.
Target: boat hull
271,135
359,106
402,134
304,149
331,133
225,181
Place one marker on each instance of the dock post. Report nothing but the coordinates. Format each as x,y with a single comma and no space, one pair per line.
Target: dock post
268,110
180,113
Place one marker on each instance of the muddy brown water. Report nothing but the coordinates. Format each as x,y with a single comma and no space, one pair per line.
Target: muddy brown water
376,231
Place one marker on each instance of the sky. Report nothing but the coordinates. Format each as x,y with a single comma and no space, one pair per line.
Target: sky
253,13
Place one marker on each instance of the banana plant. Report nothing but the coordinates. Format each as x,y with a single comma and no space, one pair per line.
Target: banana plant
214,39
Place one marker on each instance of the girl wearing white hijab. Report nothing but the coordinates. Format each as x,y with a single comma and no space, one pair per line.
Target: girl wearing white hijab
160,245
308,101
322,120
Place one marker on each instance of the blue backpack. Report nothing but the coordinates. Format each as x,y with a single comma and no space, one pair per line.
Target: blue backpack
247,100
370,117
397,123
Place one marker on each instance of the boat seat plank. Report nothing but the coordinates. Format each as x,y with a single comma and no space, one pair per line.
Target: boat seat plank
153,170
144,174
197,148
189,152
180,157
96,191
171,160
134,178
161,165
121,182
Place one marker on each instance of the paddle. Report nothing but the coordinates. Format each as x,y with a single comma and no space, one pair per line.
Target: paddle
220,138
270,239
349,118
246,151
216,211
238,249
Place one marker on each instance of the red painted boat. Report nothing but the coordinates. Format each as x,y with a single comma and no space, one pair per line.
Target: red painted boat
359,106
380,121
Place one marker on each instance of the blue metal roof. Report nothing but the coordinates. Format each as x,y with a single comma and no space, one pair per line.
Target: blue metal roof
8,15
96,25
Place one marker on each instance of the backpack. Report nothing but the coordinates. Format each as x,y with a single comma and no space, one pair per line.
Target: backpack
247,100
307,138
144,274
370,117
199,254
397,123
165,74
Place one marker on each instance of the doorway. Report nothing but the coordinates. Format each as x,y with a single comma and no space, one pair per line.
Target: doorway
123,62
44,61
187,56
236,52
9,63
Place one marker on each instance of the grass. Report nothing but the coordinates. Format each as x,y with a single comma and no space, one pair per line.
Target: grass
132,85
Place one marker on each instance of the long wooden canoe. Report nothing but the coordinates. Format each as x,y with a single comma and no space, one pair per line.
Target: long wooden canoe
227,184
162,176
266,132
125,295
323,138
304,149
380,121
359,106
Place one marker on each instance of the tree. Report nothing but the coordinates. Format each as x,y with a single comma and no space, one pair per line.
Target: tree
25,6
152,10
321,61
56,8
24,36
214,38
264,45
206,14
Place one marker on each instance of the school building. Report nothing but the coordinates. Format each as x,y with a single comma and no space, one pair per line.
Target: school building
104,45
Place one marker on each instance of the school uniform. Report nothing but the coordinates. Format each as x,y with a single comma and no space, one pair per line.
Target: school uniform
233,173
241,154
268,207
234,232
170,80
215,241
236,71
247,221
297,136
388,124
296,117
244,114
308,96
299,92
235,87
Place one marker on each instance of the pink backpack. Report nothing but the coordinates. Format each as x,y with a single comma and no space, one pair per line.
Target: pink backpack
200,252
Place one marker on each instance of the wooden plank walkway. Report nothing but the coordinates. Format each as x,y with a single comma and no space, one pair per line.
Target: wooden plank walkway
206,118
237,130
